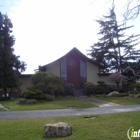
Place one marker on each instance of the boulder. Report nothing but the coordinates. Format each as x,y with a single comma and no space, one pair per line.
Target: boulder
113,94
131,95
60,129
31,101
27,101
22,101
137,96
2,108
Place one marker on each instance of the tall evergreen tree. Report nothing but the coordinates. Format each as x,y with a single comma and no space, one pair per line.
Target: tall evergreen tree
10,65
114,49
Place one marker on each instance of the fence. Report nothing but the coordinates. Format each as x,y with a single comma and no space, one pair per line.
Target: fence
11,93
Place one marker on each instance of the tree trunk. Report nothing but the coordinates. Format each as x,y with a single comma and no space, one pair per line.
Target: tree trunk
118,87
5,92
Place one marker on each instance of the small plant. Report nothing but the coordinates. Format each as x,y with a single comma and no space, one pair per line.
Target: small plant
49,97
32,93
136,86
69,89
59,89
101,87
134,92
122,95
89,88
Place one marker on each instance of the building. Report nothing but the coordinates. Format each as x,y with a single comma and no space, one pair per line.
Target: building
76,68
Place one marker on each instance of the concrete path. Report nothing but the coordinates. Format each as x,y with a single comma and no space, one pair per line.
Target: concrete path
66,112
97,102
81,95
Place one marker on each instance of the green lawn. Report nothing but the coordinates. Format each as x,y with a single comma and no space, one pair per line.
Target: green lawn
101,127
58,103
120,100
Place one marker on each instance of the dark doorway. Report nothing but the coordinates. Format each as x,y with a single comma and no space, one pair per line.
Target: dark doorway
73,75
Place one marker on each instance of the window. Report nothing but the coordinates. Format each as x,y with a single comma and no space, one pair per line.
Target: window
83,71
63,70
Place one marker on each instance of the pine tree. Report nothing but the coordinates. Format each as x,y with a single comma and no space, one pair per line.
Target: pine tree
114,50
10,65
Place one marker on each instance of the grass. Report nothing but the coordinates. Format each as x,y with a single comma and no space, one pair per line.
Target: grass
58,103
98,127
120,100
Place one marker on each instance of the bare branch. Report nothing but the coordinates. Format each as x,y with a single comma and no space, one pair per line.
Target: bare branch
128,67
132,10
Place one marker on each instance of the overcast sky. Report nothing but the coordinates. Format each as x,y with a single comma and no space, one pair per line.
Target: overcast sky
47,29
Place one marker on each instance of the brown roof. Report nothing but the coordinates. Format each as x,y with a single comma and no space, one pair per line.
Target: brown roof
74,50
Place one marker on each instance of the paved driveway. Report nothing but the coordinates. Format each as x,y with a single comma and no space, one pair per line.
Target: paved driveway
99,103
66,112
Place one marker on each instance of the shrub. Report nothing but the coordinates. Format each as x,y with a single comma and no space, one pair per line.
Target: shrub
136,86
99,90
134,92
44,86
69,89
47,83
32,94
36,94
49,97
122,95
101,83
89,88
101,87
55,89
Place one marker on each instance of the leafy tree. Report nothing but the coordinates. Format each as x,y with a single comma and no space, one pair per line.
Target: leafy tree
10,65
89,88
114,49
117,78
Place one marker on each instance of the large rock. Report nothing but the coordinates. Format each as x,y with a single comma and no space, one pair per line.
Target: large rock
113,94
131,95
31,101
22,101
60,129
137,96
27,101
2,108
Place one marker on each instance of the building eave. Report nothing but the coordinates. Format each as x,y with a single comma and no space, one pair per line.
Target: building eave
26,75
72,50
